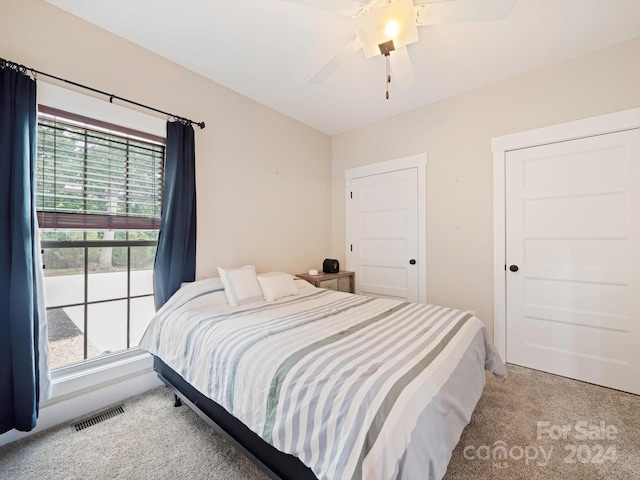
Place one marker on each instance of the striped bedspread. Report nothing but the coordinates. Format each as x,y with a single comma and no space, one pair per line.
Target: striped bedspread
356,387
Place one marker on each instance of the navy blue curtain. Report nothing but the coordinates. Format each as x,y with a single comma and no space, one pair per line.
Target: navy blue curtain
176,254
21,295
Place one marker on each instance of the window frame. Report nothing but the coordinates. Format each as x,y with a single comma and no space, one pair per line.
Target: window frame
120,224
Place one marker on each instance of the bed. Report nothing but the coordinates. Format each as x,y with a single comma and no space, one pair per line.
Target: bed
325,384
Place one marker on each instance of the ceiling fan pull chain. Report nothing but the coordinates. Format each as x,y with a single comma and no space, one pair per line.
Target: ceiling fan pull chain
388,76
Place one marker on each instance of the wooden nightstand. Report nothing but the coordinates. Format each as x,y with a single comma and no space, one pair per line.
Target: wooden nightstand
328,280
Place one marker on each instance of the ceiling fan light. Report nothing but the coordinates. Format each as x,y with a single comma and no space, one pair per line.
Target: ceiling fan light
392,29
370,27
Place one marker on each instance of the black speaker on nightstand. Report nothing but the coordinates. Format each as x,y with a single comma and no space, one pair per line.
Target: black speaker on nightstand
330,265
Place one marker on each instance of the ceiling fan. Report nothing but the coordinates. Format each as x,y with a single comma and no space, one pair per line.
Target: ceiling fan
386,27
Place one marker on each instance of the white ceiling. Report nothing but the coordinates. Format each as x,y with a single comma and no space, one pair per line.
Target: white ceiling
267,49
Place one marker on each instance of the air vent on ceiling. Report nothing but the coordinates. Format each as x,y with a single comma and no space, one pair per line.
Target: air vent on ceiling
101,417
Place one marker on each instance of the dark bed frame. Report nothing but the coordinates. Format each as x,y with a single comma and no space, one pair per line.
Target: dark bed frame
276,464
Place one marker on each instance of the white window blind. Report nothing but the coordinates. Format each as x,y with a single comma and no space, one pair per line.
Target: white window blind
95,176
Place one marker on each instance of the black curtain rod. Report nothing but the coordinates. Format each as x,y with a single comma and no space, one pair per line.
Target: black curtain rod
21,68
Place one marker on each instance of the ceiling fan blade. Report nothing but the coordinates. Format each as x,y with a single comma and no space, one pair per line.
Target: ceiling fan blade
332,65
346,8
461,11
401,69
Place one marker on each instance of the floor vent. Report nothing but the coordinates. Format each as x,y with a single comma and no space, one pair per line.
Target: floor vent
101,417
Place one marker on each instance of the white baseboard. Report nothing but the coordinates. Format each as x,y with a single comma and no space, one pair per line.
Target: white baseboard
90,386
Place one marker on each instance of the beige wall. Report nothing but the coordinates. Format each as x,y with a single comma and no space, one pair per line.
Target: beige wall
268,193
263,179
456,134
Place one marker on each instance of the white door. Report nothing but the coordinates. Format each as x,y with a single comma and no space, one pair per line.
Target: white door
384,234
573,233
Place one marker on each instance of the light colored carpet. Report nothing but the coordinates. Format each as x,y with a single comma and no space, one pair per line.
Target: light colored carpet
151,440
154,440
509,412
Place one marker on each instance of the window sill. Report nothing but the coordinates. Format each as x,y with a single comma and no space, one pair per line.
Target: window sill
76,379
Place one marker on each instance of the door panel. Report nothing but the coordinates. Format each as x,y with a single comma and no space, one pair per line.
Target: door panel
384,224
573,217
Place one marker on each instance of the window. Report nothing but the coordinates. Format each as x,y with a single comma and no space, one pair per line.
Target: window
99,197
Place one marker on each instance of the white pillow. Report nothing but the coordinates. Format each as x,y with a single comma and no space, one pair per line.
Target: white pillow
277,285
240,284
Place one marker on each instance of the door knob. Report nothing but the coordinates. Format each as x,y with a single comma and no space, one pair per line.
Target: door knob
513,268
412,261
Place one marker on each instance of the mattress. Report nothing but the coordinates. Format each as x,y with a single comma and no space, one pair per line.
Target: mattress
356,387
